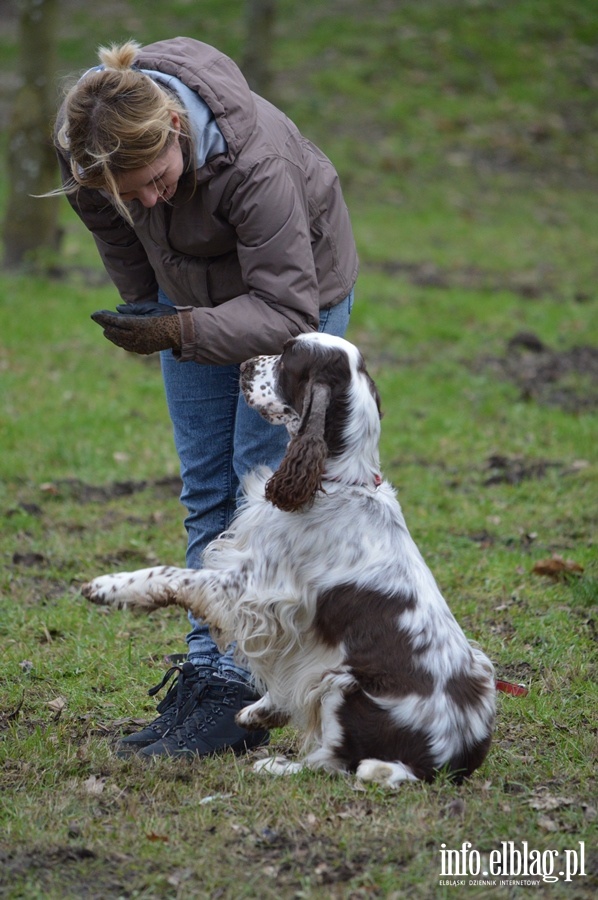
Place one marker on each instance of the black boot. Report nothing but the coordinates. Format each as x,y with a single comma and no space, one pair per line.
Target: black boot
178,702
210,727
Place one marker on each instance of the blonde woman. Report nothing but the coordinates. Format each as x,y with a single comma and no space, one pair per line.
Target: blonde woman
225,233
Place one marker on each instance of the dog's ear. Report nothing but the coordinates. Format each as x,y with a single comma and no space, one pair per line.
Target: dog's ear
299,476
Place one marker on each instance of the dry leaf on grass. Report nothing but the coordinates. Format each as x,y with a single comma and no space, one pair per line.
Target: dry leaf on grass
57,705
48,488
557,568
547,802
212,797
94,785
547,824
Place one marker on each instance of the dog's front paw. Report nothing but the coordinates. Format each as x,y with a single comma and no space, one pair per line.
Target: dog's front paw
249,718
107,590
261,714
255,717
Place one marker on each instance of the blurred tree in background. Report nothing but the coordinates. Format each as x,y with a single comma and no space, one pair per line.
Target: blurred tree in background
257,56
30,224
30,227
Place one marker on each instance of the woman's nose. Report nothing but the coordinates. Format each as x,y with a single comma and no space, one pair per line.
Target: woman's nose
149,196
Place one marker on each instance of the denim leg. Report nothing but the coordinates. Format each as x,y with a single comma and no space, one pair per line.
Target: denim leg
336,319
202,404
219,439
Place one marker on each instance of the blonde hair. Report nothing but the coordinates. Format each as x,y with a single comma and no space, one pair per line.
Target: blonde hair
116,119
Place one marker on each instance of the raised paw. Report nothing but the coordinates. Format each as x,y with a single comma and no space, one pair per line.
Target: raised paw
143,590
107,590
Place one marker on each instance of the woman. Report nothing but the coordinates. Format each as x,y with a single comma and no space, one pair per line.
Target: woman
226,233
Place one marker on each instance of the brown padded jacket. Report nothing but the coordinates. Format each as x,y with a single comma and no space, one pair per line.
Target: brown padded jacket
254,242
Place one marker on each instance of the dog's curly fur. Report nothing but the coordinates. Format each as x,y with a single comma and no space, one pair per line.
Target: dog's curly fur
326,593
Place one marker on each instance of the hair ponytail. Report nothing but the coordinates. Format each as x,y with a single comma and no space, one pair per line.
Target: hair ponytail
119,56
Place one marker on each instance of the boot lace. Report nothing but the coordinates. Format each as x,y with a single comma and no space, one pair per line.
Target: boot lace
183,694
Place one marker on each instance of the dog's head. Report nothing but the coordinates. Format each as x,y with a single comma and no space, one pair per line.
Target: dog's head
320,390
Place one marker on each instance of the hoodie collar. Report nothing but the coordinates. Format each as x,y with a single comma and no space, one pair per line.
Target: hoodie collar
207,137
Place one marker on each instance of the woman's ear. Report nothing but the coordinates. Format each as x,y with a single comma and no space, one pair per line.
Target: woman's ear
175,121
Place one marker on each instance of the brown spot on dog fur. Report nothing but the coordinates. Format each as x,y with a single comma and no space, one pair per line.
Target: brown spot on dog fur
466,691
380,653
370,733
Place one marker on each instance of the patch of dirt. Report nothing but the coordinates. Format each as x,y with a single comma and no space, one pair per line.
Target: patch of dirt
33,588
515,469
289,858
74,489
518,671
82,872
29,560
32,509
21,862
567,378
498,468
285,858
530,284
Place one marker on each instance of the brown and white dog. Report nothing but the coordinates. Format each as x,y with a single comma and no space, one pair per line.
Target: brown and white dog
326,593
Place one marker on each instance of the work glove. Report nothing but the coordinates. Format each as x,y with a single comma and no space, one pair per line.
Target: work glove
144,327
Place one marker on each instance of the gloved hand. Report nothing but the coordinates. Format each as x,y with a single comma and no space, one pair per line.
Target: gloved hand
144,327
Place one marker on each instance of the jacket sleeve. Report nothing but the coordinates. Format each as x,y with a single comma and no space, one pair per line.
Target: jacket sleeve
122,253
268,208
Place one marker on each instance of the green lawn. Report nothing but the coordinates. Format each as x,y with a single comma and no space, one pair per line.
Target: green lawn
465,133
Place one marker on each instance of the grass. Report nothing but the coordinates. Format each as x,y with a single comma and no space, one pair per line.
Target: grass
465,135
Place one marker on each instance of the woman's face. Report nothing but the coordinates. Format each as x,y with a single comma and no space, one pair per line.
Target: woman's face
156,183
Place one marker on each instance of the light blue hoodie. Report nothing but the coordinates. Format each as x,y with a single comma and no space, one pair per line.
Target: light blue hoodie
207,137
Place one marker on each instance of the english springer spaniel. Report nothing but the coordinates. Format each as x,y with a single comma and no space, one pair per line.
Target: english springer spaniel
326,593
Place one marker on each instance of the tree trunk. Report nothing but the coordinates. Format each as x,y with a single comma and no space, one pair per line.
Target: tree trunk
259,33
31,224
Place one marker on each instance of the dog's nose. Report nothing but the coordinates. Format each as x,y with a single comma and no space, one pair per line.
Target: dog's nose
243,365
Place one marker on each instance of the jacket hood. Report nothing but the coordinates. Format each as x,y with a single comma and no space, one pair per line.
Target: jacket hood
215,77
207,137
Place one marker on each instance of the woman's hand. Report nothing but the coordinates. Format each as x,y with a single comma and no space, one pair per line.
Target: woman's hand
144,327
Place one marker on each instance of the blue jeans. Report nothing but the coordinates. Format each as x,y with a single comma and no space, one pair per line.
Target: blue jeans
219,439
